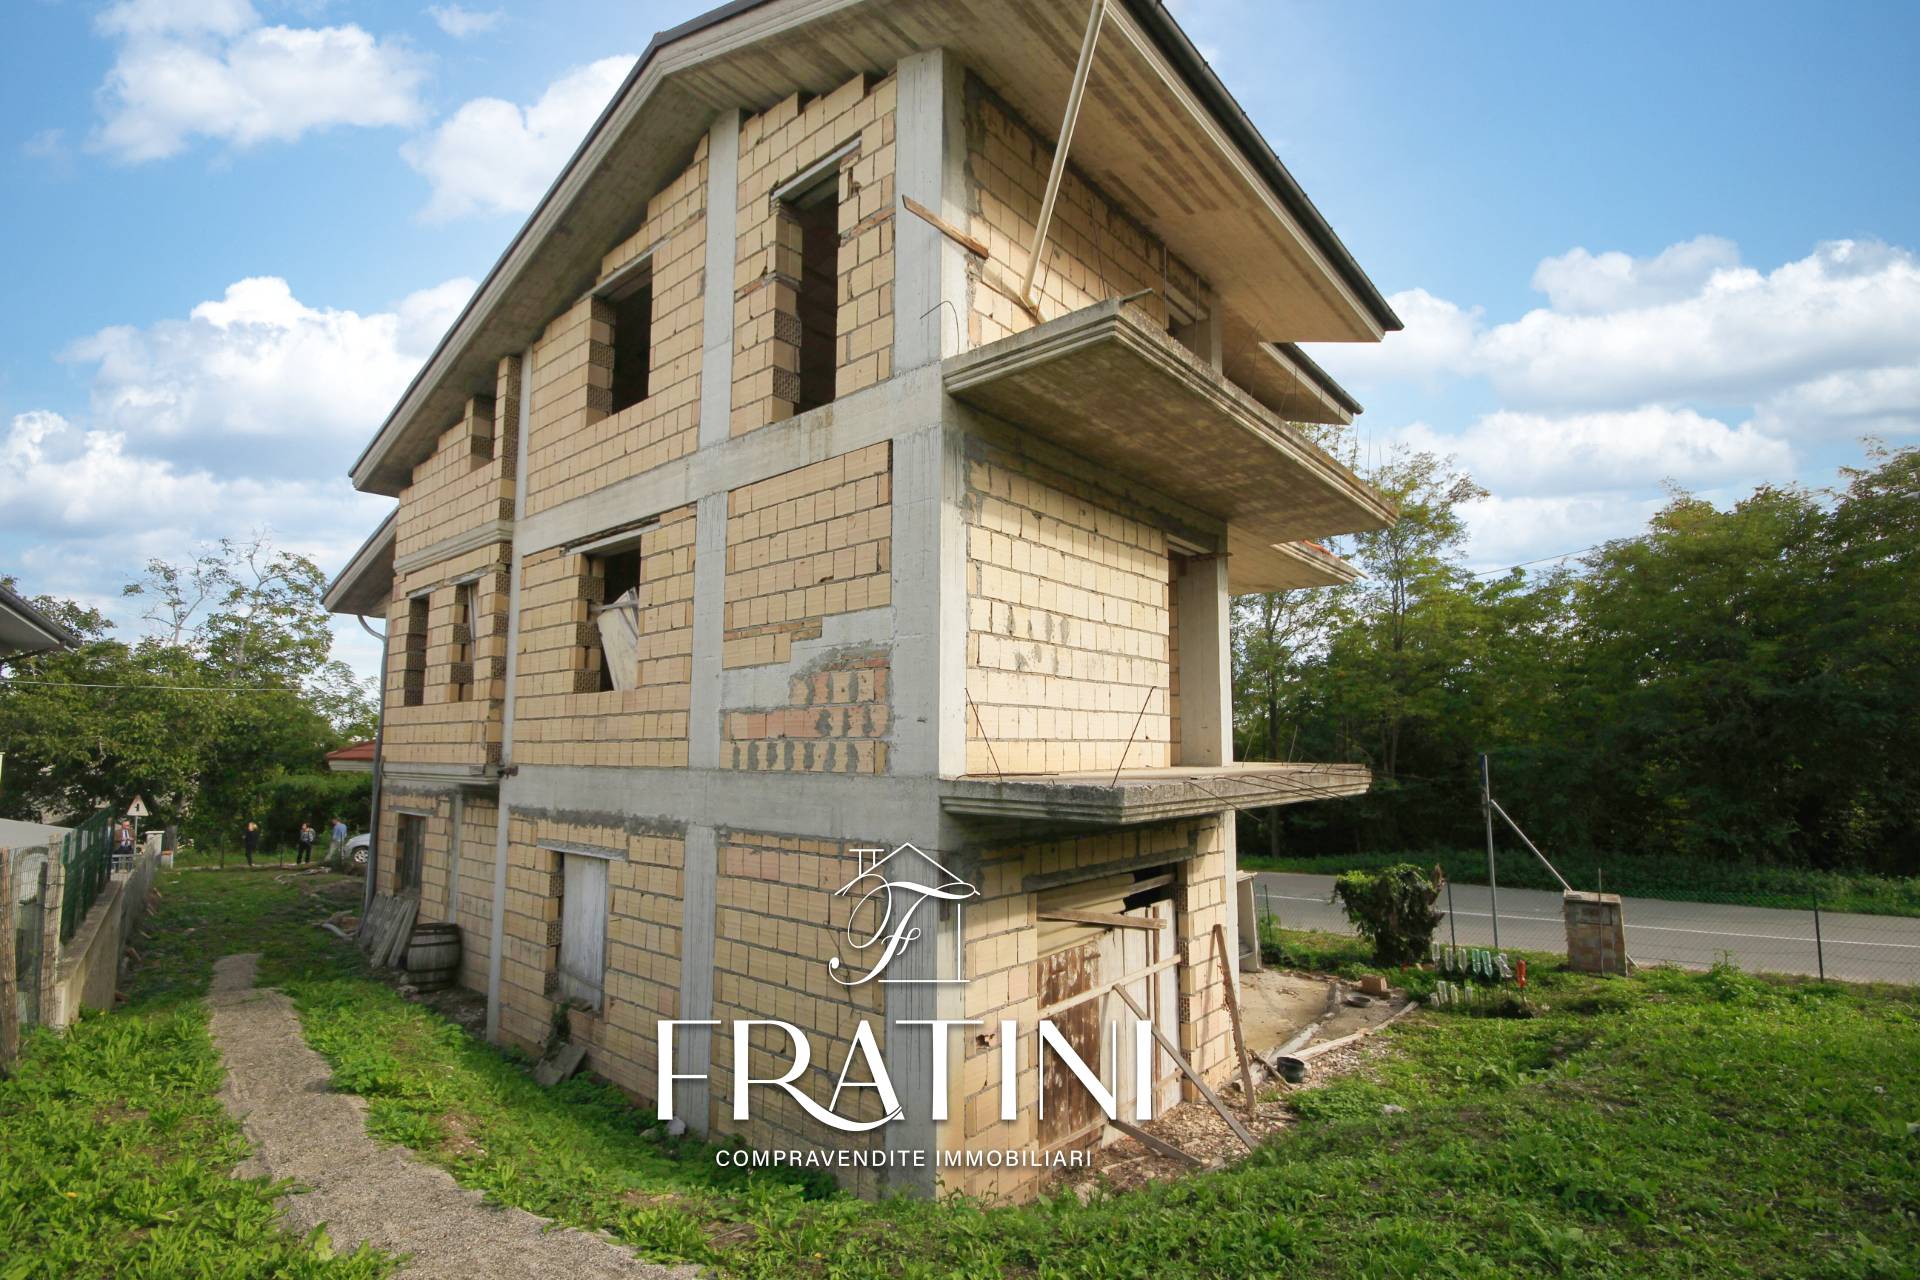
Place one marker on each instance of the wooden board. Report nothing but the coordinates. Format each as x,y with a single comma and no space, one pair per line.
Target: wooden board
1070,1107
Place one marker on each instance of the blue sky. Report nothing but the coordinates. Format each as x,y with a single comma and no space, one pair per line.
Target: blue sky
1633,243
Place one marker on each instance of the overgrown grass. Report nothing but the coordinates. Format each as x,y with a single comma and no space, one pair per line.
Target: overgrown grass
1674,1125
1639,875
115,1152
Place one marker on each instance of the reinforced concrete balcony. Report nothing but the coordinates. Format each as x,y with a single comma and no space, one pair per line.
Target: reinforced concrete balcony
1109,384
1147,795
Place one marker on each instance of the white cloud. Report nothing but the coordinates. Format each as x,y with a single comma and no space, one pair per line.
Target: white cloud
1740,336
1438,341
259,368
1582,283
1854,403
186,69
461,23
1532,454
1507,530
492,156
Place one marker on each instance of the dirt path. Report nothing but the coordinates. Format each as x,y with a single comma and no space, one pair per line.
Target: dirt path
364,1191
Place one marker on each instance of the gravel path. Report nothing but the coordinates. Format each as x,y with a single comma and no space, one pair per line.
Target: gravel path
365,1191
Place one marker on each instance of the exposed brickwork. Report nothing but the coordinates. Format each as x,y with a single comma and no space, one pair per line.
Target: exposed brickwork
1067,623
836,720
463,672
810,542
642,983
559,717
776,924
1095,249
1003,950
468,479
777,146
473,890
578,445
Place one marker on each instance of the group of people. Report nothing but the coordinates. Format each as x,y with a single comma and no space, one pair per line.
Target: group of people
250,842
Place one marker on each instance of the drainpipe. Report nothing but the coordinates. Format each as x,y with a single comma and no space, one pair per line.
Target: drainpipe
498,925
379,738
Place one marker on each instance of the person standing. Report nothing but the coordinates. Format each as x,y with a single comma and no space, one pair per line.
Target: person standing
123,845
305,852
337,851
251,841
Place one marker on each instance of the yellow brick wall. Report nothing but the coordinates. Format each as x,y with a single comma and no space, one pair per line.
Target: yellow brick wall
458,720
776,924
804,544
836,720
396,799
559,718
642,983
1067,622
473,890
1002,959
468,479
1094,251
777,146
577,444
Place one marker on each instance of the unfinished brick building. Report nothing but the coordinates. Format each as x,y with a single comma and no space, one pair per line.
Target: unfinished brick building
772,500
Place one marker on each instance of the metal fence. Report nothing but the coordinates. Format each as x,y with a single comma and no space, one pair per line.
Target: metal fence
86,857
1761,932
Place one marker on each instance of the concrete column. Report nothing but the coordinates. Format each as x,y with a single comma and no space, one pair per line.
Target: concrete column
1206,671
694,1045
930,271
716,306
497,925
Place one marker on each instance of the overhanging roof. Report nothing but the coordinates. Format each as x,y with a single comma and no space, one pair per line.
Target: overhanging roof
1290,566
1148,795
366,584
1109,384
1158,131
24,629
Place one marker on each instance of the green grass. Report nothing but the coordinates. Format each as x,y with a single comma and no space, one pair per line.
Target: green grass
1670,1125
1639,875
115,1152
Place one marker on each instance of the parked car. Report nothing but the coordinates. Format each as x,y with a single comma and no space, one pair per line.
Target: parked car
357,848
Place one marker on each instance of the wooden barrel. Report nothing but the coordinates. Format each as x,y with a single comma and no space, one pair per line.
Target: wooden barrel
433,956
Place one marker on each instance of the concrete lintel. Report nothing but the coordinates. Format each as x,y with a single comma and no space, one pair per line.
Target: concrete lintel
882,412
826,805
1148,795
481,535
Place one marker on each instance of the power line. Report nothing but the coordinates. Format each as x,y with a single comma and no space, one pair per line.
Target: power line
158,688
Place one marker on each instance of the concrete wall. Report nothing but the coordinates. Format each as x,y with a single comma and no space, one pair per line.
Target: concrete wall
88,972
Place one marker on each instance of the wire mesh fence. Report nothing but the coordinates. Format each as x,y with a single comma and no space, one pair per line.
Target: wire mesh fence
86,858
1761,932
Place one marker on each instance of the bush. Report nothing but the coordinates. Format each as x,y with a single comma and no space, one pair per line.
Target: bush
1393,908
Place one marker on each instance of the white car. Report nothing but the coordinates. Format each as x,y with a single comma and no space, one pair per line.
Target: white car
357,848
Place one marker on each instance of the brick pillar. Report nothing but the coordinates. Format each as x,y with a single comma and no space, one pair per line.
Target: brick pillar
1596,932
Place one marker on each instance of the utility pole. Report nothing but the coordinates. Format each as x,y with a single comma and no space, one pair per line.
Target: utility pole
1486,808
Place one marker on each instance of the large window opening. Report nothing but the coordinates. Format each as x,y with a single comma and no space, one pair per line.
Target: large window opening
413,654
814,223
616,618
411,852
632,342
465,613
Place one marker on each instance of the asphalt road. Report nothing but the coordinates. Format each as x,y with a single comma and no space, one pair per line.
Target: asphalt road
1695,934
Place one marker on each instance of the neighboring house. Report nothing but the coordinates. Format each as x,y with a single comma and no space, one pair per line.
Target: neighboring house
25,630
355,757
749,517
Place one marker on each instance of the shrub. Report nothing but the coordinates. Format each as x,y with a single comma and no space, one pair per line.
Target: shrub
1393,908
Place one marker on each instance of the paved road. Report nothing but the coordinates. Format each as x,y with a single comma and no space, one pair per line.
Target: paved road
1761,939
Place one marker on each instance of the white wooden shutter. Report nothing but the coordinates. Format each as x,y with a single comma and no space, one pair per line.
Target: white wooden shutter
583,928
620,639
